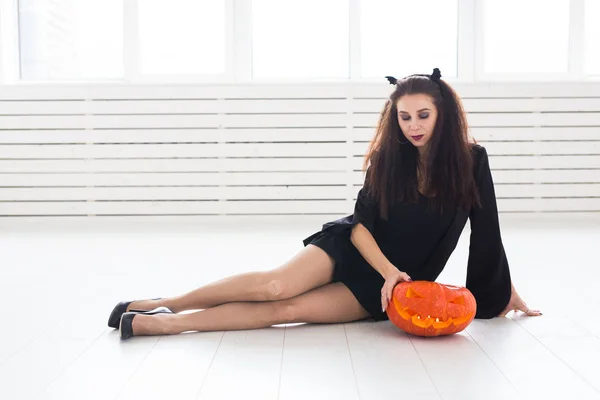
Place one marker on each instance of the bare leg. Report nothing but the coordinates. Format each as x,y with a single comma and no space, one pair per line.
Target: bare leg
310,268
332,303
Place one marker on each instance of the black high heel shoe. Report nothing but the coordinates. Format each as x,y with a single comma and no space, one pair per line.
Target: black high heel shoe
121,308
125,327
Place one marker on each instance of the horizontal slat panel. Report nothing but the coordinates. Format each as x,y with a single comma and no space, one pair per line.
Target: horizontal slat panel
176,135
525,148
258,207
175,91
548,205
261,193
547,176
109,121
270,164
531,176
548,190
493,90
501,105
169,106
539,104
268,178
504,191
377,89
174,150
263,150
177,165
292,106
285,120
275,120
173,121
483,134
55,107
545,162
571,119
370,120
259,106
174,208
540,134
505,119
542,148
525,162
176,179
177,193
171,134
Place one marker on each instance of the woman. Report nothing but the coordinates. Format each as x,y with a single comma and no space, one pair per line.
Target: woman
424,179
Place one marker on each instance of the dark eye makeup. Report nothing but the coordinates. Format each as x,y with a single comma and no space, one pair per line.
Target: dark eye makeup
422,116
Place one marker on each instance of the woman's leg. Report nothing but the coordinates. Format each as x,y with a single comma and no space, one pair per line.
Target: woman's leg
310,268
332,303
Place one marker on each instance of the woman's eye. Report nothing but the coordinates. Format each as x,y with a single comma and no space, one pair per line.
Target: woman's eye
405,118
424,116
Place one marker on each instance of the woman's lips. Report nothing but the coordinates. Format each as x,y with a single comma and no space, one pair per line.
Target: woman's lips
418,137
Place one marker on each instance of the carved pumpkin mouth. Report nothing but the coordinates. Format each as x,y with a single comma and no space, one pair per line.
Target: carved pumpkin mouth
425,308
425,321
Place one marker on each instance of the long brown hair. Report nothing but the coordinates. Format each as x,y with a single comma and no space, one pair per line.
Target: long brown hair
391,161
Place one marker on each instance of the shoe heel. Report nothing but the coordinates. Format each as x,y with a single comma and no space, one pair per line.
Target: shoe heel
114,319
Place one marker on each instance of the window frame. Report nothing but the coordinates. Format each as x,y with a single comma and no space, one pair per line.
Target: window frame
470,58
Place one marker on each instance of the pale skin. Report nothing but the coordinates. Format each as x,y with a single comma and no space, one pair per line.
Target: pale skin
300,290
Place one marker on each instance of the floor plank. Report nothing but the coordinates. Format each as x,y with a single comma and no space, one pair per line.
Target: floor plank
534,370
254,358
386,363
175,368
581,354
461,370
102,370
61,281
316,364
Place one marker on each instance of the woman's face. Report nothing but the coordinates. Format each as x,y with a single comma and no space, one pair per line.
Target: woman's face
417,116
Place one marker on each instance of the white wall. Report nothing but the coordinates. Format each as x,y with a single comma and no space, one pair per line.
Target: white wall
99,150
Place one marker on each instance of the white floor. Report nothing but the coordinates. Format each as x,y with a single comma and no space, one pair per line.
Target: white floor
59,281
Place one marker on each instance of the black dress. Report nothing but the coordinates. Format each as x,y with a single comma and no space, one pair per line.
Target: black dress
419,242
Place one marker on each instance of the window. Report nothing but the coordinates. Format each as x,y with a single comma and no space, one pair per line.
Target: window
182,36
403,37
300,39
71,39
592,37
526,36
287,40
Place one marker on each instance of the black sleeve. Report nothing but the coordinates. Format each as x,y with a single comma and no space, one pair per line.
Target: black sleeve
365,210
488,275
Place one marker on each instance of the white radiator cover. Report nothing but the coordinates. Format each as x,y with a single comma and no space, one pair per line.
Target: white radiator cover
277,150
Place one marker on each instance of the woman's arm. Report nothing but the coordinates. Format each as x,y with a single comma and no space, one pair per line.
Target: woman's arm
488,274
365,243
362,237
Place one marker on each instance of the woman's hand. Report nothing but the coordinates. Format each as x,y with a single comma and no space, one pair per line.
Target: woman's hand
391,281
516,303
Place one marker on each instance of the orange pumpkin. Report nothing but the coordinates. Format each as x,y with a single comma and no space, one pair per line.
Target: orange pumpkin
426,308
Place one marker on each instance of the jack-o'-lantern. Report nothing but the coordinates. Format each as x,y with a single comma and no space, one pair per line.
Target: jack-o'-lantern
426,308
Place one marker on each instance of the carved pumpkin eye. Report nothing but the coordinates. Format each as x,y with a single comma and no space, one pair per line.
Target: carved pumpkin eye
426,308
410,293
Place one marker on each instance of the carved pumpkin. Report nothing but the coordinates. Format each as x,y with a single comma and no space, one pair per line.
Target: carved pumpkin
426,308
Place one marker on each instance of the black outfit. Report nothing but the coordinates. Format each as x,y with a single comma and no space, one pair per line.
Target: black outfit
419,242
